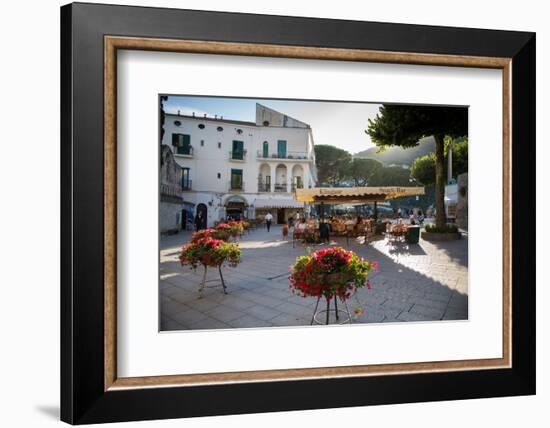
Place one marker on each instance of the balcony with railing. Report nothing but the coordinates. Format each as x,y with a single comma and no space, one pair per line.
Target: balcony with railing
183,151
295,186
264,187
280,187
300,156
237,155
186,185
236,186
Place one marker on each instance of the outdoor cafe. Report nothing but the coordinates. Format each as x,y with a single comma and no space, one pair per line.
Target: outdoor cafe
348,226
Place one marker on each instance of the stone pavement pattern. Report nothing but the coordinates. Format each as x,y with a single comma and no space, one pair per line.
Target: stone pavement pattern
424,282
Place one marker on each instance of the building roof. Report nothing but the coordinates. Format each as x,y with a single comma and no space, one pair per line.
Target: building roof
213,119
282,120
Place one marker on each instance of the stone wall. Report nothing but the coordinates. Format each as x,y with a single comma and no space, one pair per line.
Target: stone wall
171,201
462,205
169,217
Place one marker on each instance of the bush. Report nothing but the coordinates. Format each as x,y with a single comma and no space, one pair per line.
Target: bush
448,228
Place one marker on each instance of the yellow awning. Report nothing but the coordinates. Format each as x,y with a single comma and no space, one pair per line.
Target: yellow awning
354,195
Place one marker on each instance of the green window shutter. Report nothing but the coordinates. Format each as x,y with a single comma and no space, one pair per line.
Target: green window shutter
281,148
236,178
266,150
184,144
186,140
238,150
175,139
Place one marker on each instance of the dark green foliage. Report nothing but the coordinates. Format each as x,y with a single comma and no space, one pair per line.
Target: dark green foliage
423,168
361,171
406,125
332,163
447,228
390,176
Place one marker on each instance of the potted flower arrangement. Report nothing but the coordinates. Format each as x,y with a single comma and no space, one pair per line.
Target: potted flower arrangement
332,273
232,228
210,252
210,233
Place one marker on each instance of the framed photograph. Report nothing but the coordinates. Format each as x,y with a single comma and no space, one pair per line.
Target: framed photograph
267,213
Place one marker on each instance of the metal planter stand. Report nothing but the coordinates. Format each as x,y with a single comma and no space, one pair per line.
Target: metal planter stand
203,282
337,313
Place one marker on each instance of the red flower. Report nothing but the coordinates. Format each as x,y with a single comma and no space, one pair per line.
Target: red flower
329,272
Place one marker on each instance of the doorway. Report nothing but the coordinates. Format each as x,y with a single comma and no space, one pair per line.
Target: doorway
202,216
280,215
184,219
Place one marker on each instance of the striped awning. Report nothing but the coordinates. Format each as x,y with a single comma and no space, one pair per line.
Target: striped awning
277,203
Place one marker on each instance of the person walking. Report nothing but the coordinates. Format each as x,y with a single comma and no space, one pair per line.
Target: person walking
268,220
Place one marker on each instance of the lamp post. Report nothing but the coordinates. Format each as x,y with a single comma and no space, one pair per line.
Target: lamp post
450,162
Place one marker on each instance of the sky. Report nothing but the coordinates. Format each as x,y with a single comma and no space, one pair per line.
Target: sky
341,124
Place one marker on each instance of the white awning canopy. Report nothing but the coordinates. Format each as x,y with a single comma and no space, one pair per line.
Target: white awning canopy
277,203
355,195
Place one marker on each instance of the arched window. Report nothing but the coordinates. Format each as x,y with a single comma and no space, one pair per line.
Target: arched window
265,150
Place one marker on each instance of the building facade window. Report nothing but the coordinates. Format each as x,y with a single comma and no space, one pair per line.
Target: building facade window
182,144
185,179
281,149
238,150
219,144
265,149
236,179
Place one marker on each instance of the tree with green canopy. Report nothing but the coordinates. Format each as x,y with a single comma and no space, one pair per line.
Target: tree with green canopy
332,163
405,125
390,176
361,170
423,167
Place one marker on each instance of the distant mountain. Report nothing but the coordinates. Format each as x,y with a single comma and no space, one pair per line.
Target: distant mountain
398,155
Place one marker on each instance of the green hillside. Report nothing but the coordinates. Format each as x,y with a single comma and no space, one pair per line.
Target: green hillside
398,155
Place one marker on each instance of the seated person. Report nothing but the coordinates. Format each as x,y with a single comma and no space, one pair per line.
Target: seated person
302,225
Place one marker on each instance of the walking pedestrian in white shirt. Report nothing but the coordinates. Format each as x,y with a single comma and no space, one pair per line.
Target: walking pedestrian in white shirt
268,220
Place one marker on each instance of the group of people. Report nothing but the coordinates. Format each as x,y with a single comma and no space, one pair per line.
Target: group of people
415,216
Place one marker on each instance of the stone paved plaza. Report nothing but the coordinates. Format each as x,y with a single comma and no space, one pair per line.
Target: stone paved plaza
423,282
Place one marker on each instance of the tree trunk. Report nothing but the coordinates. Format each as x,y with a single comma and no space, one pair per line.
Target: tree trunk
440,219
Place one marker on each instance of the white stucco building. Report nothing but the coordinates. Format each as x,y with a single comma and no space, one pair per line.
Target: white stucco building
232,167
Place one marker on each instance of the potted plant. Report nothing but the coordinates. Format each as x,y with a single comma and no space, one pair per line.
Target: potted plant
333,274
232,228
449,232
210,252
210,233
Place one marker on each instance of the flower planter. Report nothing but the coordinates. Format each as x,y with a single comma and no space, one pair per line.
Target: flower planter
210,252
439,236
333,274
